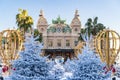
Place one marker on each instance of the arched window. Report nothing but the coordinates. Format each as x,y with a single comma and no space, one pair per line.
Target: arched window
50,43
67,43
75,42
59,42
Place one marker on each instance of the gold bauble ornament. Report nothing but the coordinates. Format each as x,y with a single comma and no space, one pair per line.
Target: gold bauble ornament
107,44
11,42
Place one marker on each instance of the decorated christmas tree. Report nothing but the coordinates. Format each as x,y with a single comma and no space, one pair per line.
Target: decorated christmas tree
57,72
30,65
89,65
117,67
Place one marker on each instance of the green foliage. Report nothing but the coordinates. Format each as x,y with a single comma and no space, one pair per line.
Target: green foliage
36,33
23,20
92,27
82,32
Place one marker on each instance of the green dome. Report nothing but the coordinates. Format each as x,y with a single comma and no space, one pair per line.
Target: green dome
51,29
66,29
63,27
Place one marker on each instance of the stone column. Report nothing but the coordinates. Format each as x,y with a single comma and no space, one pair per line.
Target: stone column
45,41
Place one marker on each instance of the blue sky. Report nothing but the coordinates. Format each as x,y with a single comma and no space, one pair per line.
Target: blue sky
108,11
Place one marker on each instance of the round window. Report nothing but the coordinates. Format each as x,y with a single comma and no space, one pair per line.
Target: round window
42,29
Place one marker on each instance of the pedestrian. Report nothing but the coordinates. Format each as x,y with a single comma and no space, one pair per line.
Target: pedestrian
1,77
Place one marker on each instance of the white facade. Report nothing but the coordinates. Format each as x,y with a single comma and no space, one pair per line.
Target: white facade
59,35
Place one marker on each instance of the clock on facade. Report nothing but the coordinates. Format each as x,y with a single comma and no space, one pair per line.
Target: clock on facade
58,29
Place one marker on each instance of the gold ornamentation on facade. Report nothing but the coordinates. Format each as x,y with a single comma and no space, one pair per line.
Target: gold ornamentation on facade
78,48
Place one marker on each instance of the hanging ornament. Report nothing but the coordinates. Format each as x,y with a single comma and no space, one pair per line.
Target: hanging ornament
11,42
107,45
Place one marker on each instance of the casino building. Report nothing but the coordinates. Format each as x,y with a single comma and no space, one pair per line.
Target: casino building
59,38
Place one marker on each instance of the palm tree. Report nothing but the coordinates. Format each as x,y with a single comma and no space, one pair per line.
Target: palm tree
24,21
93,27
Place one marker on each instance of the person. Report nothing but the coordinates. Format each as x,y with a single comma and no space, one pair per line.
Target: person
114,78
1,77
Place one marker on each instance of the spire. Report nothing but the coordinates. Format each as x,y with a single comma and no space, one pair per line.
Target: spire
41,13
76,13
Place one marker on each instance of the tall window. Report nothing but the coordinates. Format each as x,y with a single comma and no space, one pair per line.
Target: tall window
50,43
67,43
59,42
75,42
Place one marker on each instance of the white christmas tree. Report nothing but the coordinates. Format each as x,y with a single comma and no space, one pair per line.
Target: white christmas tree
30,65
58,70
117,67
89,65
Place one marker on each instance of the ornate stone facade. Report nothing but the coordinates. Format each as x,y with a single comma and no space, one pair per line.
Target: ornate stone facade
59,38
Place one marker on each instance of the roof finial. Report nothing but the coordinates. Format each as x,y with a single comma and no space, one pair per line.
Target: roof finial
76,13
41,12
